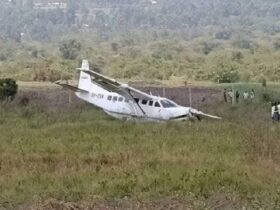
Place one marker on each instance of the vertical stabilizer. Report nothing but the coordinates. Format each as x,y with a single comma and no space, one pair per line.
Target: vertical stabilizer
85,65
85,79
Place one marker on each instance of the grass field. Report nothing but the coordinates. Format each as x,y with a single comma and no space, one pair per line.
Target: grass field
79,155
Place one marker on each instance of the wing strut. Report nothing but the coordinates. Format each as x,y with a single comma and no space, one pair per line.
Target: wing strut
129,93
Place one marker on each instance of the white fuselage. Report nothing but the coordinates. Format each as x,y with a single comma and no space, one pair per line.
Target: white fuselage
117,106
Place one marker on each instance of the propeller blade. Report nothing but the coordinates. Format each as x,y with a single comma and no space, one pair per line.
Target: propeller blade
198,114
209,115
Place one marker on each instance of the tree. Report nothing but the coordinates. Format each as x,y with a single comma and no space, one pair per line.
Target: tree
8,89
70,49
226,76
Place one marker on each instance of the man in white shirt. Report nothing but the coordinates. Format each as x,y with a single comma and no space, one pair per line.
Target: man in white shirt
275,112
278,108
230,95
245,95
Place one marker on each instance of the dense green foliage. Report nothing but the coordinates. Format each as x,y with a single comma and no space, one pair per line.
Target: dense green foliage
70,49
8,89
137,39
111,17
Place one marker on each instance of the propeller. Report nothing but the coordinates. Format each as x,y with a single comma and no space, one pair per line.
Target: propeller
198,115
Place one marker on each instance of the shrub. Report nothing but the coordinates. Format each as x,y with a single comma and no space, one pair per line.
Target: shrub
8,89
115,47
242,44
70,49
237,56
226,76
276,45
266,97
263,80
3,57
208,47
223,35
34,53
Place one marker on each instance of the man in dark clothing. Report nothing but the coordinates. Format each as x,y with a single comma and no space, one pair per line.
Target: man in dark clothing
274,112
225,95
237,96
278,111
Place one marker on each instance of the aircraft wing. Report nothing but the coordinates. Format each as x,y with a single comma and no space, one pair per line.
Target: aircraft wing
70,87
112,85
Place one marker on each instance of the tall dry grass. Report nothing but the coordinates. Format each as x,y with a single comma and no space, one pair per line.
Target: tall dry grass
77,153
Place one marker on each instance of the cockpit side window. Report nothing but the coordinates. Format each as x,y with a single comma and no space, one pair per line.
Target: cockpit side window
157,104
167,104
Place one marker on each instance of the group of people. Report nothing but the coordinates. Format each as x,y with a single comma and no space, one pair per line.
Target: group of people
275,111
230,95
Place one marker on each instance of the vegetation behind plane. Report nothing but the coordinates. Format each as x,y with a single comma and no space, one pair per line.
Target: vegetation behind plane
202,40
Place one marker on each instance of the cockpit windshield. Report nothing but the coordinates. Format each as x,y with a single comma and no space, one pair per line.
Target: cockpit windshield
168,104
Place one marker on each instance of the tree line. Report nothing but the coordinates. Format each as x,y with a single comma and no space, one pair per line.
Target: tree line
124,15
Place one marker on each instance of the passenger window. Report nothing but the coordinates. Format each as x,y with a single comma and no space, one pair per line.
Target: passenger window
120,99
109,98
144,102
136,100
126,100
157,104
151,103
115,98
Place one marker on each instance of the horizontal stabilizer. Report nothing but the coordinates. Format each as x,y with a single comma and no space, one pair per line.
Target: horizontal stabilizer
70,87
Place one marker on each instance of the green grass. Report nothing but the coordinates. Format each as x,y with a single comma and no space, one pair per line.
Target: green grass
80,154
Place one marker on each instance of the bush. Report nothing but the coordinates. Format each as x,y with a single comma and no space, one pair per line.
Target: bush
226,76
225,35
276,45
237,56
70,49
263,81
208,47
8,89
3,57
242,44
266,97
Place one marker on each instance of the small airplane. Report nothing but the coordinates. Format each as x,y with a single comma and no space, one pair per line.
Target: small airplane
127,103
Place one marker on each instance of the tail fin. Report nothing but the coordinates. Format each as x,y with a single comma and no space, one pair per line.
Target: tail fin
85,79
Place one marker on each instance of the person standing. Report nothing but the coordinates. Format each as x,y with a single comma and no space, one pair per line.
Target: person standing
274,112
230,95
237,96
245,95
225,95
278,108
252,95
